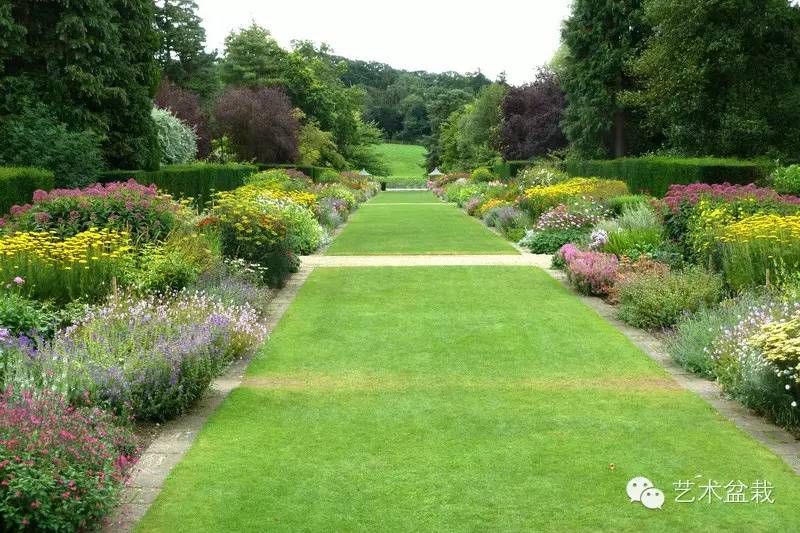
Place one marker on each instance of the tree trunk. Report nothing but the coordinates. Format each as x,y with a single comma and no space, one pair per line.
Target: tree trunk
619,133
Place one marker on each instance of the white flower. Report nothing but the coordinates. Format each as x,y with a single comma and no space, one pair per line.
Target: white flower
794,404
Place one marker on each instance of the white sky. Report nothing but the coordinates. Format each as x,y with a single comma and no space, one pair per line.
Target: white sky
500,35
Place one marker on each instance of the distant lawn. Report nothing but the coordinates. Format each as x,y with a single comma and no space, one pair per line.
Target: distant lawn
380,228
404,160
459,399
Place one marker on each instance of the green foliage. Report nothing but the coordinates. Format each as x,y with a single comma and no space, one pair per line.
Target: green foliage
92,65
659,300
318,148
721,78
178,141
786,180
635,232
482,175
197,181
469,135
618,204
33,137
654,175
599,39
171,266
311,77
22,316
633,242
510,169
550,240
252,57
181,55
17,185
222,151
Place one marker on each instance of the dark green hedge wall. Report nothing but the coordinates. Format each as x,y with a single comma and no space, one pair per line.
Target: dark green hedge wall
198,180
654,175
18,183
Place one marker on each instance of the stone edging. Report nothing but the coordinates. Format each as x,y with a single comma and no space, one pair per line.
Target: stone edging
176,436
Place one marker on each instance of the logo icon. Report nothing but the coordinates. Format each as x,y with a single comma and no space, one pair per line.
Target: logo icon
640,489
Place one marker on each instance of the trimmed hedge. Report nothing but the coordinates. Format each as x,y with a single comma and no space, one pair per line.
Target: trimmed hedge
654,175
198,180
398,182
17,185
312,172
509,169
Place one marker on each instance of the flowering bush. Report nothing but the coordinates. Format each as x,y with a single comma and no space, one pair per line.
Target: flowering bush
140,210
150,358
81,266
759,249
539,198
248,232
598,239
492,203
541,176
473,205
574,215
61,468
170,265
564,255
591,273
281,180
338,192
755,359
460,193
677,195
303,231
20,315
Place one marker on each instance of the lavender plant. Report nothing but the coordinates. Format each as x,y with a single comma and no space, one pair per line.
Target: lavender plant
150,358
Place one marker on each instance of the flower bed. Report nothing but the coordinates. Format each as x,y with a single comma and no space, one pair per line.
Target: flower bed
120,297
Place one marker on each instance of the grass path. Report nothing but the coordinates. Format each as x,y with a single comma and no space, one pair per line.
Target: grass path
402,223
458,398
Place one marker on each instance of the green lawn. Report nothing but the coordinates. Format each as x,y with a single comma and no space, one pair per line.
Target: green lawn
458,399
381,228
404,160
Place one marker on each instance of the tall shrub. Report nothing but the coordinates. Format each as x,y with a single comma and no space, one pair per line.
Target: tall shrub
92,64
260,123
33,137
722,78
532,117
185,105
178,141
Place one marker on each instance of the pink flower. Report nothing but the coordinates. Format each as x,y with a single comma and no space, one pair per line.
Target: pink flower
39,195
19,281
